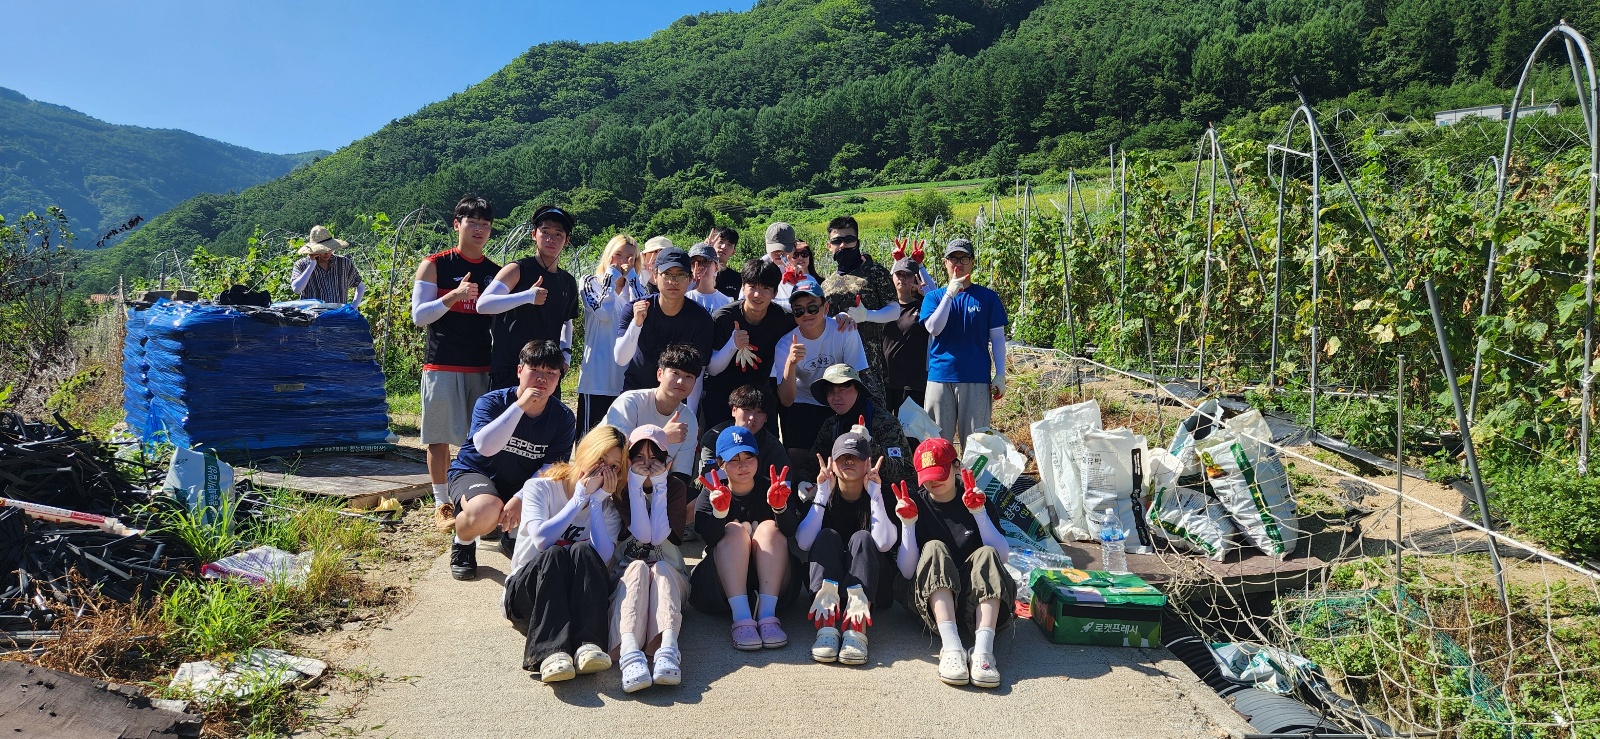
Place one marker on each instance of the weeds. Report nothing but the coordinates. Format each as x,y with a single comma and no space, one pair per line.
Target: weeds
213,618
209,531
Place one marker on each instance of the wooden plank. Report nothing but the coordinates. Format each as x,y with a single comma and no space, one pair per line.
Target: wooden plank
36,702
360,481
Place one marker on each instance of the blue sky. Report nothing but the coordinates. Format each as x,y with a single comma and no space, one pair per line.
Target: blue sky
289,75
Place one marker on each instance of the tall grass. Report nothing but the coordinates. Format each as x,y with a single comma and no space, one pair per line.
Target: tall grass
214,618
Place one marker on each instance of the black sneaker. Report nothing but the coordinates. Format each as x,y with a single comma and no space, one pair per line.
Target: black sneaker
463,560
508,545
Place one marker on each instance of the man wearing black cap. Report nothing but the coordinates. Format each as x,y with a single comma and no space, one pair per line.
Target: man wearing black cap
661,320
532,299
967,328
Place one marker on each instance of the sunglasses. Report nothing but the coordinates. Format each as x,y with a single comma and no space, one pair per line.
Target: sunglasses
803,253
813,310
842,240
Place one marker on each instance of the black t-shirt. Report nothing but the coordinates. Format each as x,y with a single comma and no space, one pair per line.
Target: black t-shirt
692,326
537,441
847,516
751,507
775,325
729,281
514,328
459,340
905,348
951,523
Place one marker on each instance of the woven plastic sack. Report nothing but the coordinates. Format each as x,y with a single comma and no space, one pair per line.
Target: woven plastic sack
1057,441
1185,515
1113,477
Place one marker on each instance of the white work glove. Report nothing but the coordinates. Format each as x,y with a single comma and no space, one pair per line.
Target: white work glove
825,607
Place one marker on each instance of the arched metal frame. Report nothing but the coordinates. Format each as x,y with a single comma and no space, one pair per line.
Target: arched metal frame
411,221
1589,105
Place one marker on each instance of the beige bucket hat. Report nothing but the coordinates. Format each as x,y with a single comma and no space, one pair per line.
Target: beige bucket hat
321,241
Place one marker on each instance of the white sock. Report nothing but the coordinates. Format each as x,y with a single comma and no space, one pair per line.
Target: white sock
767,606
983,641
459,540
741,607
441,493
669,640
950,635
629,643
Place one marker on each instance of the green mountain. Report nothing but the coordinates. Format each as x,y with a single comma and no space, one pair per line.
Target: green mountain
103,174
723,111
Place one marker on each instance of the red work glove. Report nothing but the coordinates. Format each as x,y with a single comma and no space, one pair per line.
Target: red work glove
906,509
899,249
973,499
721,496
917,253
791,275
778,494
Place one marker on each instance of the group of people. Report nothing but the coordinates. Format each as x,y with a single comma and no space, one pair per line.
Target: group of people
751,407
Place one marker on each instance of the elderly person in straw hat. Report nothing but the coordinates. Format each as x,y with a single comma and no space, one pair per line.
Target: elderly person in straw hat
320,274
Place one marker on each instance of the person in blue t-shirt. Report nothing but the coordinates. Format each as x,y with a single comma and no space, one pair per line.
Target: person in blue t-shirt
966,328
516,432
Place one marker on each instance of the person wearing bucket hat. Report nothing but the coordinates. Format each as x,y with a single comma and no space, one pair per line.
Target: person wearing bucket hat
455,358
661,320
647,261
746,518
905,340
816,343
841,389
967,328
321,274
846,535
952,563
780,242
533,298
703,261
647,608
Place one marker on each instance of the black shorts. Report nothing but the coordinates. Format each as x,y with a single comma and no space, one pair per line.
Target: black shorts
469,485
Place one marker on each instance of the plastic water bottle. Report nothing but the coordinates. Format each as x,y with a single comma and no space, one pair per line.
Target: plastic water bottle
1113,545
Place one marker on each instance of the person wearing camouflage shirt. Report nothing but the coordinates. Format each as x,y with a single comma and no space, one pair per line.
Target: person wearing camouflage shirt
853,408
863,289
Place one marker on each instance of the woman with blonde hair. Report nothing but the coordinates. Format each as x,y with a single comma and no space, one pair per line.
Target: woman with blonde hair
607,298
559,584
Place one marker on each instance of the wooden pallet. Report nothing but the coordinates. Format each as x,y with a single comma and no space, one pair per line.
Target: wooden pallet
360,481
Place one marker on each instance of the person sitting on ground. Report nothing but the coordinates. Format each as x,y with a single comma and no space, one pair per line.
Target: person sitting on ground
854,410
967,327
664,405
905,340
746,521
952,561
647,606
725,239
533,298
817,343
749,411
516,433
746,333
846,535
703,263
607,298
320,274
558,583
661,320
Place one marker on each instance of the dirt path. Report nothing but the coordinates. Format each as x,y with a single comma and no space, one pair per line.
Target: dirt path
453,668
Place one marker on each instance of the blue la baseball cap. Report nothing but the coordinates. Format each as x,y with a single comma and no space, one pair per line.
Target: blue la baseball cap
733,440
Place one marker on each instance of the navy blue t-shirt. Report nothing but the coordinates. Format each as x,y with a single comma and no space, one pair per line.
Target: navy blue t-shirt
960,353
539,440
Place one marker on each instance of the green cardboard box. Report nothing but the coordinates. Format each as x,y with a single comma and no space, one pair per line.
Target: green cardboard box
1106,610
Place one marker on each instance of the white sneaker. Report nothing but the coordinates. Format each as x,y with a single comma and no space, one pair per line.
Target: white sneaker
591,658
826,648
984,672
953,666
854,651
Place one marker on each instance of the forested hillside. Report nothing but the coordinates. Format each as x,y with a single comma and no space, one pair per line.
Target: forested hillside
721,112
103,174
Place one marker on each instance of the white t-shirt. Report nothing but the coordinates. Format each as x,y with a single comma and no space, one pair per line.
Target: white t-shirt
544,499
635,408
831,348
710,301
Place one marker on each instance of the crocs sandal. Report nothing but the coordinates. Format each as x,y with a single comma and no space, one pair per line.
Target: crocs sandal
668,671
826,648
635,672
772,636
854,651
592,659
953,666
556,667
984,673
745,636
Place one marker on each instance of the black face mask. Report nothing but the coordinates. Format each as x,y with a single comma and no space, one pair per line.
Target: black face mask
848,259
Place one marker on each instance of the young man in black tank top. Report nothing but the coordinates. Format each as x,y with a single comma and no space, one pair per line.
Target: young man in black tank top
455,369
532,299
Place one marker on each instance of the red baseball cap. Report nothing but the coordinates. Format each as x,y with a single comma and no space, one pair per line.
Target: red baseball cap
933,459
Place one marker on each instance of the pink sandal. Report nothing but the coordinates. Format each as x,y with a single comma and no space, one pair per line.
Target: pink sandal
746,637
772,636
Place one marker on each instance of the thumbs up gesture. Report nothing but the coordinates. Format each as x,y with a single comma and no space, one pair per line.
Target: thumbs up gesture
905,507
857,312
676,430
641,309
539,293
973,498
721,496
778,492
466,289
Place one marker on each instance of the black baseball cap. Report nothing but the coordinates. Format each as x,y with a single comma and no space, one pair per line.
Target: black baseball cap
551,212
671,257
959,245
